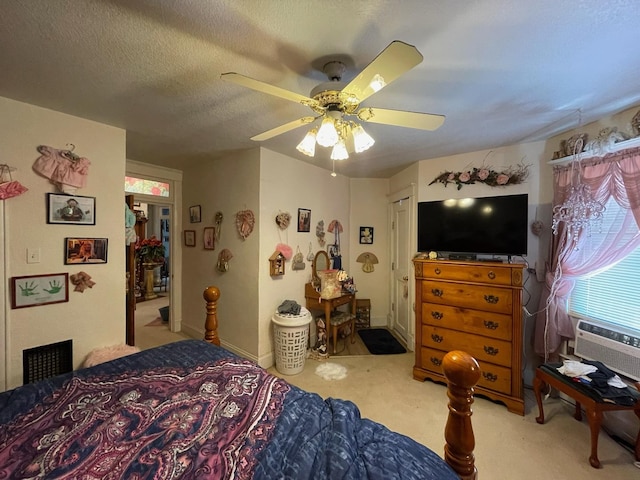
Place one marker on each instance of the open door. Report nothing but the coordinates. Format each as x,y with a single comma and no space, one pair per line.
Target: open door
401,259
130,262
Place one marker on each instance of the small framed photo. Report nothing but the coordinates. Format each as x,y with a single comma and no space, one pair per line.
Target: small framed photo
209,238
71,209
189,238
366,235
36,290
304,220
195,214
85,250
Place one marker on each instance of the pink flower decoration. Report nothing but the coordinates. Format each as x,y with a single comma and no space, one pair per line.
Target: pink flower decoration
483,174
502,179
465,176
451,177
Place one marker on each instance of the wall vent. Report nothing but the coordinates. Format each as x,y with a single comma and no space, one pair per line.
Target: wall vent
47,361
618,348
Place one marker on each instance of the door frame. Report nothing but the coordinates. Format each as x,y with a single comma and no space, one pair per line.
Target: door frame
408,194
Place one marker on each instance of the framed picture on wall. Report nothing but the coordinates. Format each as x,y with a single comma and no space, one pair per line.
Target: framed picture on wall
71,209
85,250
34,290
304,220
209,238
195,213
366,235
189,238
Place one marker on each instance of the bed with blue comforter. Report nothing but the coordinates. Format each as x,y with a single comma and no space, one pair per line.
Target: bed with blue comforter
193,410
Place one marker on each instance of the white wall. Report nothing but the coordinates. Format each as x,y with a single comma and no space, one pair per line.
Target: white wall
287,184
369,208
228,185
96,317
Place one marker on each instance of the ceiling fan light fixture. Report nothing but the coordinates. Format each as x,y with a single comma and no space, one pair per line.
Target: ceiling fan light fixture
327,135
339,151
308,143
361,140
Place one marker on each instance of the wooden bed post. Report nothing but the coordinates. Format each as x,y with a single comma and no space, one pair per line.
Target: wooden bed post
462,373
211,296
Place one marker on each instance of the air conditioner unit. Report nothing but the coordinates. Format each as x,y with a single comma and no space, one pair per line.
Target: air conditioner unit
617,347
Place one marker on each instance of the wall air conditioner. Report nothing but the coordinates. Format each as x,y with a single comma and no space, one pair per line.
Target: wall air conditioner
617,347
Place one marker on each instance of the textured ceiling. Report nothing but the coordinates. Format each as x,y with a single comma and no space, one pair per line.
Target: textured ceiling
502,71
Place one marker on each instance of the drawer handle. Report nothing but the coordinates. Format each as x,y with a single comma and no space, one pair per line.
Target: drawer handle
491,350
491,299
437,271
491,275
491,325
490,377
437,338
436,361
437,315
437,292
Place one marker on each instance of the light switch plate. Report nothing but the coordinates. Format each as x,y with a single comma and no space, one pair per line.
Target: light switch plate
33,255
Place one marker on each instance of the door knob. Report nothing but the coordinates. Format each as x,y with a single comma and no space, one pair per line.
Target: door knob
405,278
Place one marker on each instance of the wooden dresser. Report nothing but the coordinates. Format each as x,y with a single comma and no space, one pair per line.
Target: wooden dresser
475,307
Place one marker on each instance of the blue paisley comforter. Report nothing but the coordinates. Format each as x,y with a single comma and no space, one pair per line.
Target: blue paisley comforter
192,410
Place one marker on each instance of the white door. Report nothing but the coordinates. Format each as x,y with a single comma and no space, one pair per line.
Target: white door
400,231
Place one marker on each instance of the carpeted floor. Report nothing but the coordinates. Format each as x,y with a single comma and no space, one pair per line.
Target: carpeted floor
380,341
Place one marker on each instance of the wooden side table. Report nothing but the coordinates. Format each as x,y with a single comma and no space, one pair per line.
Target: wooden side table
593,404
363,313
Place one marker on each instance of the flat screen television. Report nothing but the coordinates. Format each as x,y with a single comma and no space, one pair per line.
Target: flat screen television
487,225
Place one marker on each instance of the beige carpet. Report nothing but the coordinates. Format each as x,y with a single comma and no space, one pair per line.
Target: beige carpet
508,446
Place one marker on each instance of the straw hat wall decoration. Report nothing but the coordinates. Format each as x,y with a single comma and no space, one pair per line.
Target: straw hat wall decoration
368,259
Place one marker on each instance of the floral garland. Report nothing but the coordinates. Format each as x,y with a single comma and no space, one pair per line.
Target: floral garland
486,175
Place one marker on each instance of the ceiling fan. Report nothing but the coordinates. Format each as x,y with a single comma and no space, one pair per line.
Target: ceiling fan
337,103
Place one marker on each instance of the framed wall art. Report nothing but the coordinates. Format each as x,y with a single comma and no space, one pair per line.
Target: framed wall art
189,238
71,209
34,290
304,220
85,250
366,235
209,238
195,214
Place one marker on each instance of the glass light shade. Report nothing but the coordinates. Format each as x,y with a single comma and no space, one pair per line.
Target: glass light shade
361,139
308,143
327,135
339,151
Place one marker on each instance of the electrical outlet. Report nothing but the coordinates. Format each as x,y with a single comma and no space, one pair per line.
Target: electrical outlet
33,255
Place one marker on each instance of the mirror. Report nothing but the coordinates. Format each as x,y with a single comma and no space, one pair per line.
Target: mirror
320,262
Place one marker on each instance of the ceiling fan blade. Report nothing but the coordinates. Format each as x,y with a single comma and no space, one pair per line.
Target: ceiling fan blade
400,118
283,129
267,88
393,61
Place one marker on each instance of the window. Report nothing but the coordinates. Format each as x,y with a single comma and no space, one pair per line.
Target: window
147,187
613,295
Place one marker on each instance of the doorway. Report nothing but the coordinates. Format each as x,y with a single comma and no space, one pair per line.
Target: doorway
152,283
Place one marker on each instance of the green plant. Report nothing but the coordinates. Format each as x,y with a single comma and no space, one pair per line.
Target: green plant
150,250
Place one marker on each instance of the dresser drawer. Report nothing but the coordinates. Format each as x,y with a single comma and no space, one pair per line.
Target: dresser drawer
477,297
492,377
493,274
489,324
481,348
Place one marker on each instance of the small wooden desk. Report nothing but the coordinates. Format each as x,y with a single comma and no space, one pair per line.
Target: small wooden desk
314,302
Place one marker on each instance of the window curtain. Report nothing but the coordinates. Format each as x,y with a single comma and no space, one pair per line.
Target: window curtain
617,176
